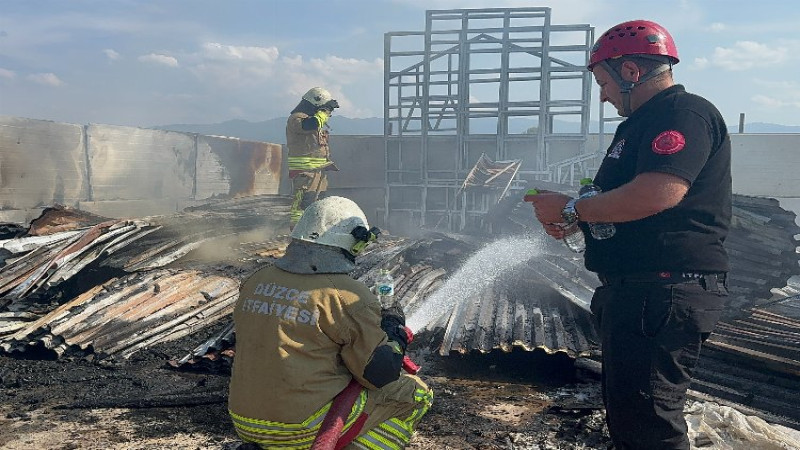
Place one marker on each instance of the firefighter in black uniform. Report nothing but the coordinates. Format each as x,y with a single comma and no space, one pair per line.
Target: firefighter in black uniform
666,187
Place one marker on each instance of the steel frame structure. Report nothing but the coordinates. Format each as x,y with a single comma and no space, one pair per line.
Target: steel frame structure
467,67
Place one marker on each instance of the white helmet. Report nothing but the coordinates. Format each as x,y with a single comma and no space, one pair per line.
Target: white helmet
331,221
317,96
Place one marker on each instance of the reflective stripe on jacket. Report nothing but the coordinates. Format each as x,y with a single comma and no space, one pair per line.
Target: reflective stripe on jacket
271,434
306,162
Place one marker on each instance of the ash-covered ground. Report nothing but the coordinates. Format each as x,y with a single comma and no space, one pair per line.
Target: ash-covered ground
518,400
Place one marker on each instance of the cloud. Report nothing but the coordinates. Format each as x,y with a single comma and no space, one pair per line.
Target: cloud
111,54
772,102
265,78
701,63
220,52
156,58
745,55
347,70
785,94
233,66
717,27
5,73
47,79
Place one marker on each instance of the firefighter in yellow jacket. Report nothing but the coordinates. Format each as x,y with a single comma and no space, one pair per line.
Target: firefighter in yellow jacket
305,329
307,134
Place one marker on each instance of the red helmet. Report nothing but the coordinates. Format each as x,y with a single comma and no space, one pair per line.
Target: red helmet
637,37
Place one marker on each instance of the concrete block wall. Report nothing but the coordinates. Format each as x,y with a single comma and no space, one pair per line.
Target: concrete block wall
122,172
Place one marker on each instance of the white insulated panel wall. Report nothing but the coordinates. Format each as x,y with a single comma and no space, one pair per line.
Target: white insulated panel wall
41,163
138,164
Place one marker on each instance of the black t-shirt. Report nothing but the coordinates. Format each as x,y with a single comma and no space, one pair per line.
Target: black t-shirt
682,134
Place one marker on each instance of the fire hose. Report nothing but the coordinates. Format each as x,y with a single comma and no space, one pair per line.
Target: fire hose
329,436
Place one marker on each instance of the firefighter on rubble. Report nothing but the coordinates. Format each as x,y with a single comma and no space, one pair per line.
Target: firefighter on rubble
305,329
307,134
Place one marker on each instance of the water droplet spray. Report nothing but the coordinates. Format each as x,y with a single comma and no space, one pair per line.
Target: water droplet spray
477,274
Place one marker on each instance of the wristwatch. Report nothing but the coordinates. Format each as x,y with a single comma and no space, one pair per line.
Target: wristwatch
569,213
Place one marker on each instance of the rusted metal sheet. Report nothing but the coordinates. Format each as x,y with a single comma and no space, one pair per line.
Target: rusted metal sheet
215,353
210,233
57,260
753,360
41,262
232,167
131,313
769,333
222,233
59,218
763,251
753,363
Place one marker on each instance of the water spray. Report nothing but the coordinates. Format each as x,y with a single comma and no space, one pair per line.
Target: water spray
478,273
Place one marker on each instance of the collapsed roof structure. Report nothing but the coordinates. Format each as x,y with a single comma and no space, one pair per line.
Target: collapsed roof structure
77,283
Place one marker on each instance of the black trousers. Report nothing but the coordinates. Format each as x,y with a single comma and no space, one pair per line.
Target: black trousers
651,337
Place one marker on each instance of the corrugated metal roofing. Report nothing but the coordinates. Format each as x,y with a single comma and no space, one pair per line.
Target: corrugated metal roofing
46,261
520,309
127,314
754,362
126,299
169,276
769,334
542,304
528,315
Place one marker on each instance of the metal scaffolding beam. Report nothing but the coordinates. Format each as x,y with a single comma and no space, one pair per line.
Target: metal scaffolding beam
478,81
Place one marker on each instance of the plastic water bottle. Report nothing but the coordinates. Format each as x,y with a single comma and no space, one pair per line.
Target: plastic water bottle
384,288
599,230
573,235
573,238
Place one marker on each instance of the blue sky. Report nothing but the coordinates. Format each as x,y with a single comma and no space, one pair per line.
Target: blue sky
145,63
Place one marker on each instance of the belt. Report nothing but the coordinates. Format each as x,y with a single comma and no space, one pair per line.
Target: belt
707,280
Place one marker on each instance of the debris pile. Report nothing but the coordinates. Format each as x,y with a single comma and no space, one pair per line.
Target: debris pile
99,313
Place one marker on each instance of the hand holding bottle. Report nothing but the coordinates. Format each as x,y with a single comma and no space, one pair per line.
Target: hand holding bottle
548,206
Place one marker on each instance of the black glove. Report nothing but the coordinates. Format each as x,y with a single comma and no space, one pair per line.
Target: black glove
394,312
393,322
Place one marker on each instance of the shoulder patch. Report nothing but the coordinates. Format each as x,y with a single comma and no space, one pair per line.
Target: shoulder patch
616,152
668,143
